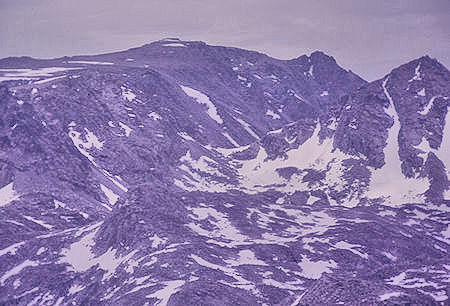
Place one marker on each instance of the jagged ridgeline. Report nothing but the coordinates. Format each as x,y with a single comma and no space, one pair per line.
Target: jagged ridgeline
180,173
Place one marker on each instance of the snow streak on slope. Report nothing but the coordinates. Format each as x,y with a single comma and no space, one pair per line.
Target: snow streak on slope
389,181
30,74
247,127
203,99
444,149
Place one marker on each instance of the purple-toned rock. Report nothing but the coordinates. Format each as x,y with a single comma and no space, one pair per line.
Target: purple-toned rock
180,173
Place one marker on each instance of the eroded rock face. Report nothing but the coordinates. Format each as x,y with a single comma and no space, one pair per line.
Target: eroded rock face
181,173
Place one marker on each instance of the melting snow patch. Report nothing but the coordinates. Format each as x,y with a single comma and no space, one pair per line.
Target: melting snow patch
126,128
421,92
240,281
387,213
163,295
174,45
157,241
115,179
30,74
58,204
203,99
312,199
387,296
16,270
82,146
416,76
90,63
50,79
241,78
154,116
80,257
204,164
7,194
247,127
228,152
246,257
311,70
429,105
40,251
283,285
185,136
258,173
390,256
47,226
75,288
444,150
233,142
112,197
127,94
315,269
348,246
12,249
224,229
272,114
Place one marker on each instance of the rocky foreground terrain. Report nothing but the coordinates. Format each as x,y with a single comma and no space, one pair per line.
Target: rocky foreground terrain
180,173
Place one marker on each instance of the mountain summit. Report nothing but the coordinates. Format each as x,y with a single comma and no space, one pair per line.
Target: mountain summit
182,173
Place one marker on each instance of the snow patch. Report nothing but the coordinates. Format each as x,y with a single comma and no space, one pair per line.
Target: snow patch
41,223
12,249
81,258
8,194
91,141
429,105
126,128
421,92
50,79
154,116
230,139
31,74
16,270
163,295
203,99
112,197
245,257
417,75
174,45
350,247
272,114
389,295
128,94
315,269
247,127
90,63
185,136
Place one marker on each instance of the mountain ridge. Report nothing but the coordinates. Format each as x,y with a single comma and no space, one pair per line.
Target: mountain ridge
218,175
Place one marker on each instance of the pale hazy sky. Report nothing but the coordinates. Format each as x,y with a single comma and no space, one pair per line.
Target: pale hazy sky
368,36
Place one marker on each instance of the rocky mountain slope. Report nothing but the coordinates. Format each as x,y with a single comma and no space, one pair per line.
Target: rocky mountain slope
181,173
